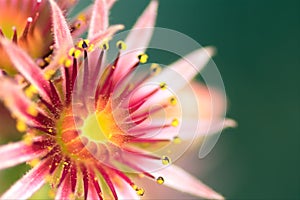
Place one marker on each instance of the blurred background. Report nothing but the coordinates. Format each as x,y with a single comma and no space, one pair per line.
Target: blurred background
258,57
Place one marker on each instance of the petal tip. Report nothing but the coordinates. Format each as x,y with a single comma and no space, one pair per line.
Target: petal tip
230,123
211,50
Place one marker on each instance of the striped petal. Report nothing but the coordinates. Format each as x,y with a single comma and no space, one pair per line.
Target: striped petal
17,153
124,190
176,76
65,190
187,68
99,20
27,67
82,20
79,24
137,40
30,183
110,3
19,105
66,5
61,31
107,35
179,179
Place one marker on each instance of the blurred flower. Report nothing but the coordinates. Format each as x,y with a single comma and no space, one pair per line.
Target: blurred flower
89,131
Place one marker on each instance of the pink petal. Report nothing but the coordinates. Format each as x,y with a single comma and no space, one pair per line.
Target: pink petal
66,5
100,37
65,190
110,3
16,101
182,71
124,190
30,183
92,194
17,153
99,20
195,128
83,18
187,68
178,179
27,67
137,40
61,31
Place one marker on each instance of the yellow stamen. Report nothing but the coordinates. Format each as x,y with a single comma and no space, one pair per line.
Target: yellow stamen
83,44
140,191
165,160
121,45
105,45
155,69
163,86
48,59
143,58
176,140
28,139
160,180
175,122
33,162
81,17
135,187
68,62
91,47
173,101
48,74
21,126
77,53
32,110
72,51
31,91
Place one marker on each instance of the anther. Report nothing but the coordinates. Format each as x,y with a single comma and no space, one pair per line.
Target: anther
176,140
165,160
48,74
105,45
83,44
68,62
155,69
140,191
31,91
143,58
72,51
21,126
121,45
173,101
175,122
32,110
163,86
33,162
28,138
160,180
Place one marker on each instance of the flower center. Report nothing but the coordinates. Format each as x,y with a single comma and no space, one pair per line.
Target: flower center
93,129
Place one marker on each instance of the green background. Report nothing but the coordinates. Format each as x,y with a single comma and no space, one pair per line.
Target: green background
258,44
258,57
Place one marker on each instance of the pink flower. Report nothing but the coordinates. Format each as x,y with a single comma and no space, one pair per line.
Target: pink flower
88,129
28,24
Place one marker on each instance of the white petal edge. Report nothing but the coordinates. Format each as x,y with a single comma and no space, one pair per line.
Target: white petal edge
17,153
178,179
29,183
